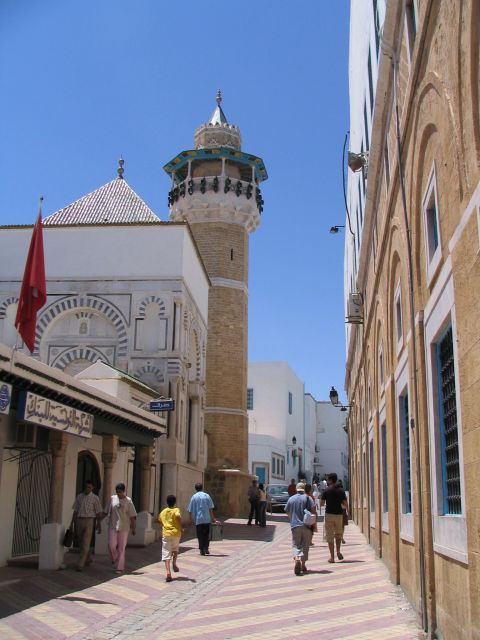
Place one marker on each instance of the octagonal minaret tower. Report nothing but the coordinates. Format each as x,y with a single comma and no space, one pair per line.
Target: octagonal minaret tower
215,188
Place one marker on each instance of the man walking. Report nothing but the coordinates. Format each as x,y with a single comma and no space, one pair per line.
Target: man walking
86,510
254,498
301,534
335,500
200,509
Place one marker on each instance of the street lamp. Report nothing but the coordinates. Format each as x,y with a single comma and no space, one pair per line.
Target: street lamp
357,161
336,228
334,400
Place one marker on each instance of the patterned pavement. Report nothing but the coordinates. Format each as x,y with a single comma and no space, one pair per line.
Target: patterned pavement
245,590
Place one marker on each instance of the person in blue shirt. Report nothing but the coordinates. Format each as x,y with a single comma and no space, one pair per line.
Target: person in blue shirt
201,509
301,534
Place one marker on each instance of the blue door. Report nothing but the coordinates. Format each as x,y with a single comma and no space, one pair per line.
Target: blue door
260,472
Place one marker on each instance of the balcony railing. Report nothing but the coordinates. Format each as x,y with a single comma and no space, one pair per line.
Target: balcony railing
215,184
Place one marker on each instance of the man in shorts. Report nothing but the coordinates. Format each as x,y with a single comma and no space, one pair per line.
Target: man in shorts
335,500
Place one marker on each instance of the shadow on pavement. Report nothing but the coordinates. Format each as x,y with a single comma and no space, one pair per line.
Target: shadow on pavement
25,587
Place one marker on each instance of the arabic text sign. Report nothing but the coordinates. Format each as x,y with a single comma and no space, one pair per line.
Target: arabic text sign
5,397
53,415
166,404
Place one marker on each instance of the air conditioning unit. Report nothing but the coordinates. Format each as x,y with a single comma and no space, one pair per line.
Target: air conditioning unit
26,435
355,308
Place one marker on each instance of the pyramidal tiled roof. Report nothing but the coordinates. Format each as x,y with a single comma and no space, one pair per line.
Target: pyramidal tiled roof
114,203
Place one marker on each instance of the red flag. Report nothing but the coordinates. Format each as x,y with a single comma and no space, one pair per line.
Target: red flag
33,293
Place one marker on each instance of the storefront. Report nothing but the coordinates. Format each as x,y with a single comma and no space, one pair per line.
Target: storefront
55,433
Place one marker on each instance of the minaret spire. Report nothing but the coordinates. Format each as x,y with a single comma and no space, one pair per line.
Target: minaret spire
120,169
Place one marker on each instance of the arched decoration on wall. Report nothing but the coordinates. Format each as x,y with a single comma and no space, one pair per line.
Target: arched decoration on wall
88,469
194,355
162,310
149,371
87,354
97,305
473,80
5,304
395,276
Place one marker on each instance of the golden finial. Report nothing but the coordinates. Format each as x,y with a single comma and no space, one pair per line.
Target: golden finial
219,97
120,169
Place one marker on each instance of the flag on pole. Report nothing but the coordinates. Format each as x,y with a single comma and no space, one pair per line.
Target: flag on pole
33,293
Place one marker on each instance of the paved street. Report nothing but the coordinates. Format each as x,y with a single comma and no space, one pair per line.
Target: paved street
245,589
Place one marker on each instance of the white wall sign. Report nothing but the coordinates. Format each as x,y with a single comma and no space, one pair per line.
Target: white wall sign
53,415
5,397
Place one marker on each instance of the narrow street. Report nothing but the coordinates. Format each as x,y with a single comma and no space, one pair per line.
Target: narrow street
245,589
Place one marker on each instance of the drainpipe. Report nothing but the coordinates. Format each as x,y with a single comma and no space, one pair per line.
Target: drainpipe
414,421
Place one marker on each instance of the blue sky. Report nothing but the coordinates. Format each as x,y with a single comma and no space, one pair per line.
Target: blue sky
83,82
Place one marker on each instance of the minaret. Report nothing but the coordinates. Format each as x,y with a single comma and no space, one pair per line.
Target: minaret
215,188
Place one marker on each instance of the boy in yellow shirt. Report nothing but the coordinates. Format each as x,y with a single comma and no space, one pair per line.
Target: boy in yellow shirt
171,521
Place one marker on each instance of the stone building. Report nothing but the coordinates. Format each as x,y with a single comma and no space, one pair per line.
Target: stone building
412,286
131,291
215,188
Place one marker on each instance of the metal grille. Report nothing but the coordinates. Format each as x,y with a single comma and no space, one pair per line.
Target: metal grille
449,427
31,507
406,458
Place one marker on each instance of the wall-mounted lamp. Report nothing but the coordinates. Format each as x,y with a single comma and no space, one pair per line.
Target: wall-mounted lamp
358,161
336,228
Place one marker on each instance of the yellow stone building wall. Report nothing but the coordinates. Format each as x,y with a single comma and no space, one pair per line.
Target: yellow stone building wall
438,96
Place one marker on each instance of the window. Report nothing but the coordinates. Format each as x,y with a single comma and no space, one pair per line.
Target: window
431,227
406,474
249,399
398,317
411,25
365,120
387,163
381,372
384,468
376,21
278,466
360,203
290,403
372,477
370,80
449,449
369,398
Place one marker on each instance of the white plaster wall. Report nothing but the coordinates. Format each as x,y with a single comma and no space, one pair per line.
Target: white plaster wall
332,440
164,251
271,382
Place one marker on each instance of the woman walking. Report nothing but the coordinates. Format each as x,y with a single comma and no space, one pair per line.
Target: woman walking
262,506
121,518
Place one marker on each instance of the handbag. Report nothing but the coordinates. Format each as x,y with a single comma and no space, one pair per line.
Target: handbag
68,537
216,532
309,518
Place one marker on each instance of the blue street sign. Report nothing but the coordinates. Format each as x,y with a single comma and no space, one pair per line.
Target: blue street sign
166,404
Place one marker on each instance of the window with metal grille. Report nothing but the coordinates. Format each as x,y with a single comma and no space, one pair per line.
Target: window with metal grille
384,469
250,399
290,403
406,468
449,449
372,476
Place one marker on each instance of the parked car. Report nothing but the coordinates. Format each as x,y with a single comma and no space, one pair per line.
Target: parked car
277,496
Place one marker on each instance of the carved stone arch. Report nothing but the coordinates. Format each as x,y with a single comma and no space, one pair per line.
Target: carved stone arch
93,303
70,354
195,352
162,309
468,57
396,271
379,343
431,89
5,304
419,177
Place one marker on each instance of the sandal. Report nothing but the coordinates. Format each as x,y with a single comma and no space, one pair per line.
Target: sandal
331,561
339,556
